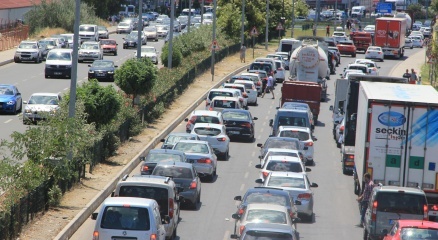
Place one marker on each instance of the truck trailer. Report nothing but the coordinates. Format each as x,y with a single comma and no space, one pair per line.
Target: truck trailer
304,92
397,137
390,36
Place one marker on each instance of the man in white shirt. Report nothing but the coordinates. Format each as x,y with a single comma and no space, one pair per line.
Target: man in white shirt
270,86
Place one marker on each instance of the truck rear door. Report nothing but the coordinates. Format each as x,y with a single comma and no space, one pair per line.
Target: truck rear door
381,38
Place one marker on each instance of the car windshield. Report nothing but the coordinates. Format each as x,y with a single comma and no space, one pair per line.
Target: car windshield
282,143
191,147
159,157
86,29
261,66
172,139
46,100
266,216
161,28
48,42
263,197
101,28
4,90
208,131
278,181
240,116
28,46
224,104
108,42
175,172
61,56
89,46
301,135
284,166
102,64
125,218
204,119
235,87
68,37
266,235
123,24
413,233
289,154
291,121
147,50
213,94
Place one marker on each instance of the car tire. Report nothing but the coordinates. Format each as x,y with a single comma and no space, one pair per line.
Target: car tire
365,234
17,61
115,53
226,156
412,47
353,55
198,199
46,76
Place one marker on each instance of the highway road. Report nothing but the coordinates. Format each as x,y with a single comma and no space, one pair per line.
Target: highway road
336,210
29,78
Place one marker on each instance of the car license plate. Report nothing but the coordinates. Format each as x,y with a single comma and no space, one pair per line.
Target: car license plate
234,132
57,73
106,50
131,44
100,74
25,58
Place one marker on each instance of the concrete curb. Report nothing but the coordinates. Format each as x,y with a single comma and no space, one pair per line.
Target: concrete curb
401,67
83,215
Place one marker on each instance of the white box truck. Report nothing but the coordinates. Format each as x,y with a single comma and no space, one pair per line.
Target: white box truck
397,137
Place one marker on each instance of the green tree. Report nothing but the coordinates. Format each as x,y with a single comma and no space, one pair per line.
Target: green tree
416,10
229,20
136,76
105,8
176,55
196,4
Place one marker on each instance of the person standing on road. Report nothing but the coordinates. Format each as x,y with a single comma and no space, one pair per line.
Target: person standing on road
365,197
242,53
414,77
407,75
270,86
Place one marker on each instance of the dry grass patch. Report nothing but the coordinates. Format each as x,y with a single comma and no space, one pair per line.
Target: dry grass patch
47,32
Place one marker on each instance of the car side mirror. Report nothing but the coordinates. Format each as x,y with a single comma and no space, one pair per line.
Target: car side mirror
234,236
255,118
162,140
24,102
308,169
259,166
235,216
94,216
166,219
259,145
238,198
313,185
331,108
277,108
186,120
142,158
260,181
117,44
271,122
89,65
116,66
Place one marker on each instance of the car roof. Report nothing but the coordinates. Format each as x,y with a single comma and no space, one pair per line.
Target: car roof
181,134
45,94
357,65
417,223
291,110
249,74
211,125
234,84
206,112
399,189
282,138
170,151
192,141
175,164
244,81
222,90
284,158
265,206
225,98
62,50
288,174
153,179
269,227
282,150
273,190
90,42
131,201
256,71
305,129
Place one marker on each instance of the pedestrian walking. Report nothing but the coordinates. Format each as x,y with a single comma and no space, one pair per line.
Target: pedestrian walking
269,86
360,27
348,24
242,53
352,27
327,32
414,78
407,75
365,197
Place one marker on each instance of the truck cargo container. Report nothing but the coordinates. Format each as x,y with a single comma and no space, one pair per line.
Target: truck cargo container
305,92
390,36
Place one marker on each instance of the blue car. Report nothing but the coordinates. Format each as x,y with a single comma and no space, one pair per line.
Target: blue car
10,99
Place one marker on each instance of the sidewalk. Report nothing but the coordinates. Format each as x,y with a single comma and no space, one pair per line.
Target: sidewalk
414,61
7,56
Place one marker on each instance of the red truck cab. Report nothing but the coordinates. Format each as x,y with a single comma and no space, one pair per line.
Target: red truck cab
305,92
362,40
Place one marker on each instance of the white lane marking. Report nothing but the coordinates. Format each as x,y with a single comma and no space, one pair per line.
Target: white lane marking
266,117
246,174
242,187
8,120
227,235
259,137
261,130
252,154
269,112
264,124
270,106
65,89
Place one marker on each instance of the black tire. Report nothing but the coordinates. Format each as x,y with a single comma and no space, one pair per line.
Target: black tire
226,155
115,53
17,61
209,178
365,234
198,199
46,76
353,55
21,107
80,61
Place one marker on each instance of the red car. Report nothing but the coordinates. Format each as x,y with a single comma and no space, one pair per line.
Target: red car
347,48
413,229
109,46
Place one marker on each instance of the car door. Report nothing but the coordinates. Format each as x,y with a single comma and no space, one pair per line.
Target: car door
18,98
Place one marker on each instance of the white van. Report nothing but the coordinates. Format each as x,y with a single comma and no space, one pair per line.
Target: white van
129,218
88,32
358,11
186,12
288,45
58,63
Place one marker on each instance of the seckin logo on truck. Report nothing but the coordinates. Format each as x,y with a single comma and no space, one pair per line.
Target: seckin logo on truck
392,120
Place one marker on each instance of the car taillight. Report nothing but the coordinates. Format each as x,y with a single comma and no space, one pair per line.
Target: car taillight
240,212
379,52
308,144
434,207
193,185
247,125
153,236
265,174
305,196
221,139
171,209
204,160
373,214
426,212
95,235
241,229
144,168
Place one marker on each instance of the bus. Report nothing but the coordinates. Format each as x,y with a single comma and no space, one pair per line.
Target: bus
128,10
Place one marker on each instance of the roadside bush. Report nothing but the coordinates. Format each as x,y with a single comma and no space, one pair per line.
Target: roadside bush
55,196
176,55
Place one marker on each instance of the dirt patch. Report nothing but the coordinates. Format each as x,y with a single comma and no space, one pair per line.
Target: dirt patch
48,225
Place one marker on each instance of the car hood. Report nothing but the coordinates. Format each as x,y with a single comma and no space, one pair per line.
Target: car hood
6,98
41,107
86,33
58,62
148,54
27,50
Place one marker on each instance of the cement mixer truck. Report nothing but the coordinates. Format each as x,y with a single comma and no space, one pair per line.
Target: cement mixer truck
308,63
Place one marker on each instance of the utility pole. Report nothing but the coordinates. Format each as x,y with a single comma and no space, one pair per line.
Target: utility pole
190,15
293,19
74,66
267,25
202,12
214,39
242,31
170,54
139,28
318,9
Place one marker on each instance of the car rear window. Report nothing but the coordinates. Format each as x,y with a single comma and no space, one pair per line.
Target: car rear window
262,197
191,147
173,139
247,85
261,66
224,104
363,69
207,131
159,157
266,216
284,166
204,119
291,121
418,233
288,154
236,116
278,181
262,235
235,87
397,202
158,194
175,172
126,218
282,143
301,135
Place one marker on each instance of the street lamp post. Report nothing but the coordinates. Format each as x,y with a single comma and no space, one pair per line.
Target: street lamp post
293,19
214,39
190,16
267,25
242,31
170,54
74,66
139,28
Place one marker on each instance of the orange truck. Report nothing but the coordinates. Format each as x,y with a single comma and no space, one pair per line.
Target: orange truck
362,40
303,92
390,36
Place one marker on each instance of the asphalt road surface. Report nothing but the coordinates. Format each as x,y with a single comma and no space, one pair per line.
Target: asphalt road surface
336,210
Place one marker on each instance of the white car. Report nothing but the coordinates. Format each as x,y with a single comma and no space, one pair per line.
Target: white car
280,75
298,186
40,106
255,77
417,41
416,33
281,152
281,164
243,96
351,71
215,135
374,52
124,27
162,30
285,56
28,51
370,29
426,31
151,33
203,116
58,63
408,43
220,92
143,36
161,18
149,52
90,51
373,69
304,134
251,90
339,34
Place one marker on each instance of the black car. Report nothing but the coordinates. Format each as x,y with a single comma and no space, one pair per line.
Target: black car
62,39
267,195
44,50
239,123
173,138
130,41
156,156
102,70
331,42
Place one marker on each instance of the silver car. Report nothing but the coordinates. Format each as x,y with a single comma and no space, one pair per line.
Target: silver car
90,51
151,33
216,135
298,186
201,155
40,106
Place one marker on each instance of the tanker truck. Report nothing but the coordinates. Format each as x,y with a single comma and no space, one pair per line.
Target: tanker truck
308,63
